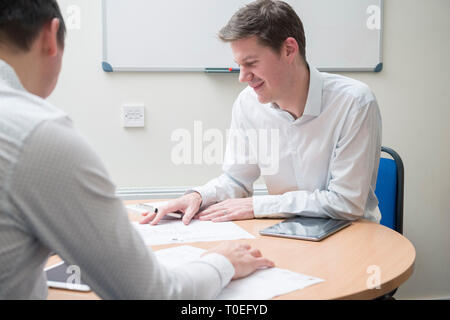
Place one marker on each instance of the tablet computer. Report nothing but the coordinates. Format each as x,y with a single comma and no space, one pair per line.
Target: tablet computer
305,228
62,276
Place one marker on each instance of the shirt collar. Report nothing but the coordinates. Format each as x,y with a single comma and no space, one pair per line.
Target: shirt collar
314,101
313,105
9,76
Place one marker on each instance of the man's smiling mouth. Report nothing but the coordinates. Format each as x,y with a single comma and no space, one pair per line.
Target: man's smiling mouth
258,86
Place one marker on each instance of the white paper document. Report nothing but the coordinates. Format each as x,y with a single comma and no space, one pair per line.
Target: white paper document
263,284
175,231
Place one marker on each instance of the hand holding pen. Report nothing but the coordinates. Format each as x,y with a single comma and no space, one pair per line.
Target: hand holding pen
154,210
188,205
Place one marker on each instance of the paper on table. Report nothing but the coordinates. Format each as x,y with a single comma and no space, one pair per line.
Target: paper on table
175,231
266,284
263,284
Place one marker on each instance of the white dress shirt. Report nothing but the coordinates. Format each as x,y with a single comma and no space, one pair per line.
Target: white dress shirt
55,195
326,161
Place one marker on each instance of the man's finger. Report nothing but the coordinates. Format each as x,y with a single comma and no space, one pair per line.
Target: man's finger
211,209
159,216
215,215
206,212
209,216
171,206
227,217
189,214
264,263
255,252
220,218
148,217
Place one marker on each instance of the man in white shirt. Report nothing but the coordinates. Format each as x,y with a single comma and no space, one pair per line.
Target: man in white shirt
56,196
328,131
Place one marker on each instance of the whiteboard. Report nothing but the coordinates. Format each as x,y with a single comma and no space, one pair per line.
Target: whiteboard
181,35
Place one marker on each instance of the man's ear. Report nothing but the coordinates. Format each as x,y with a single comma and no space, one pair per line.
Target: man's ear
50,37
290,46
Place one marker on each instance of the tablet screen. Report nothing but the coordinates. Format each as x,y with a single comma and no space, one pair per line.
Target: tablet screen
306,228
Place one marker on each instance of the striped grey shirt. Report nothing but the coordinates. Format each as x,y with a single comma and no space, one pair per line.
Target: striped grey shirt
55,195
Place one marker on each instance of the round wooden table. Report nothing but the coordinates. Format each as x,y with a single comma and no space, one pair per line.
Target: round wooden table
363,261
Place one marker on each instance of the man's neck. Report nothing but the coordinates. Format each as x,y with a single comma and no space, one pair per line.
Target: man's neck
298,87
23,66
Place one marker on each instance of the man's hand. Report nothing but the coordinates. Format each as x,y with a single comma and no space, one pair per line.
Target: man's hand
187,204
243,257
231,209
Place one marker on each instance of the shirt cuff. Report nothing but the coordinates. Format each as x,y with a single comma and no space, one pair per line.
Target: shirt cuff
207,196
269,207
222,265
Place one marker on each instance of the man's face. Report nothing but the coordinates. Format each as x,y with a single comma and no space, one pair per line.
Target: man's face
263,69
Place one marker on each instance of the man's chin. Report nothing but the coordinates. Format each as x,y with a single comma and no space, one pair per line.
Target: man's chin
263,99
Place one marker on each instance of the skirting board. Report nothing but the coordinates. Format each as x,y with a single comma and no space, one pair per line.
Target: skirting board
166,192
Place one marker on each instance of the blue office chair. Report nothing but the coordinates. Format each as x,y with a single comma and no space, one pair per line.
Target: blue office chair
389,191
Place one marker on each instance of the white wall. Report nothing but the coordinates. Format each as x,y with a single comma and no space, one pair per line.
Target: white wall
413,91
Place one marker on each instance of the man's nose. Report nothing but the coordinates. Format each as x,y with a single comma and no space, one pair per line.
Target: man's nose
245,75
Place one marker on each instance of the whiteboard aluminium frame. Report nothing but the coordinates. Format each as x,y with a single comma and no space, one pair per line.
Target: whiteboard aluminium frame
107,67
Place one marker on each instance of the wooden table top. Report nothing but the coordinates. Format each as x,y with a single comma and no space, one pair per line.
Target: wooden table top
350,261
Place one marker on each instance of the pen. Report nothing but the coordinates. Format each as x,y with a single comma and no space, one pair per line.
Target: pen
221,70
155,210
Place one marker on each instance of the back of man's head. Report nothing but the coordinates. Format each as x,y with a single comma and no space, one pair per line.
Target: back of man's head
22,20
271,21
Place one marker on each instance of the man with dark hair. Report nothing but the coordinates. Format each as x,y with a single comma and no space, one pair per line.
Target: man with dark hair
55,194
329,130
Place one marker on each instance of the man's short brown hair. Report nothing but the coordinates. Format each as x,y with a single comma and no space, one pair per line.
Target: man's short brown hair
22,20
271,21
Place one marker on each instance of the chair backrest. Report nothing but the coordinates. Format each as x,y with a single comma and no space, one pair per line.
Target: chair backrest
389,190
